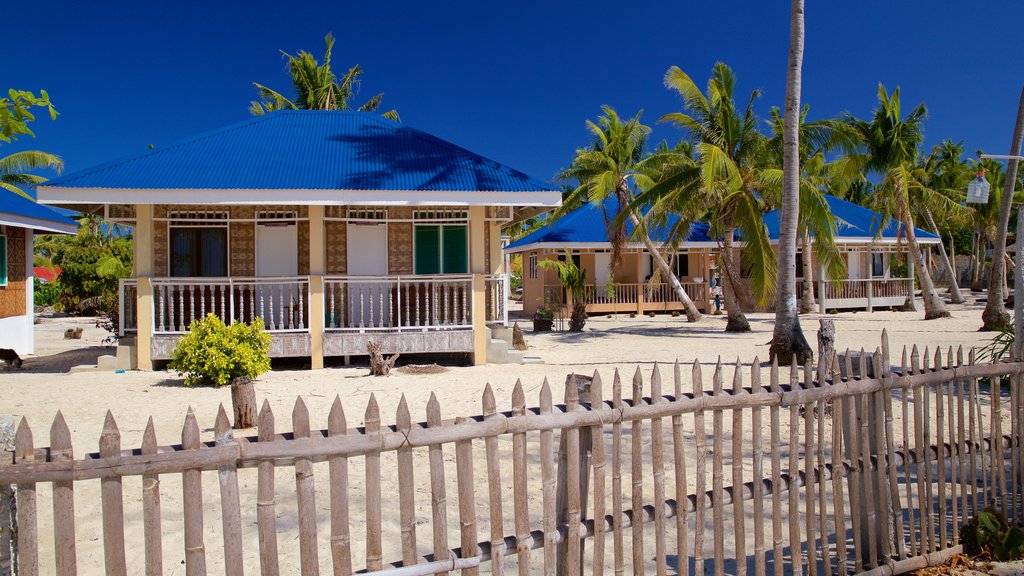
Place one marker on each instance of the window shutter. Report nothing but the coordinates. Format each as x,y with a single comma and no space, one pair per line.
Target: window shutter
456,250
427,245
3,260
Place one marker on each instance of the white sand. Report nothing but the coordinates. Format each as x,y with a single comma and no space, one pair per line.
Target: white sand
37,392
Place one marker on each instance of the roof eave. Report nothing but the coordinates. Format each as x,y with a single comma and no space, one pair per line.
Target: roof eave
38,224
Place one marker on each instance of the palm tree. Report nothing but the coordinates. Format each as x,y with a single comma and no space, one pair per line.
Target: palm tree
574,280
14,169
317,87
728,181
985,216
616,165
995,316
891,141
947,178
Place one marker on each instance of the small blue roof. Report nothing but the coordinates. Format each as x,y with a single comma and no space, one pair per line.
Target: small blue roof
16,210
587,225
854,222
307,150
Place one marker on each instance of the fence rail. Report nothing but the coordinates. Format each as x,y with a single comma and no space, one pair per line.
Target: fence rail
833,472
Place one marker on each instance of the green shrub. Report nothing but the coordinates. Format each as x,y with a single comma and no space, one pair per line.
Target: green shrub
989,535
46,294
214,354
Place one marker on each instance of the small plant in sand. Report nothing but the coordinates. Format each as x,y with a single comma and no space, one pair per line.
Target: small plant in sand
574,280
214,354
991,537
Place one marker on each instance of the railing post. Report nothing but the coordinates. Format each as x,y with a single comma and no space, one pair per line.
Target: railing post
506,295
821,290
871,283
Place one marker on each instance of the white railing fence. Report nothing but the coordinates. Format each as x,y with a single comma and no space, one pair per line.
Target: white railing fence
398,303
282,303
496,293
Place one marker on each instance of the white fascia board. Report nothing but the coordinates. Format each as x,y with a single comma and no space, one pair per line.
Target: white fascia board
597,246
37,224
66,195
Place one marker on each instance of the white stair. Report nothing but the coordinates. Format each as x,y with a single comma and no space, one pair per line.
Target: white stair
499,347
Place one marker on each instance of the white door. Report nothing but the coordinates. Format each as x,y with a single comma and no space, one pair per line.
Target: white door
369,303
277,255
602,272
853,265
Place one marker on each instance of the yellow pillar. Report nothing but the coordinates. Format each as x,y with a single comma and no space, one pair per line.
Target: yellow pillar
478,266
496,257
640,283
317,268
142,241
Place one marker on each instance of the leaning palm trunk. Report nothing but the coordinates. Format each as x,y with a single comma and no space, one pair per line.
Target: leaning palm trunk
692,314
788,341
807,293
736,320
933,306
977,284
954,288
995,315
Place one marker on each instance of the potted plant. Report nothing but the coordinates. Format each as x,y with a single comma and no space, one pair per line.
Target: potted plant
214,354
543,320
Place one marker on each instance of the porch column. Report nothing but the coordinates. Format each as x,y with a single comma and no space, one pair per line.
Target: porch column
709,300
640,283
317,268
821,289
497,260
142,242
871,279
478,267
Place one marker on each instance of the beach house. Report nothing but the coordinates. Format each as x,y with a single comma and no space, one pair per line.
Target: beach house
337,229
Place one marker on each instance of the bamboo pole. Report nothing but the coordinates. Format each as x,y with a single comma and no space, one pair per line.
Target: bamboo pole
700,481
438,498
231,508
266,517
839,413
907,478
572,483
305,492
407,487
736,462
658,464
547,468
519,485
597,444
810,515
717,478
63,501
490,410
152,533
374,553
192,493
757,441
617,544
467,500
636,477
341,545
795,544
776,445
882,457
27,562
940,460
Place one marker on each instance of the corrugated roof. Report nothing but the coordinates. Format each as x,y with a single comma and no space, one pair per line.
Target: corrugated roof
308,150
586,225
854,221
16,210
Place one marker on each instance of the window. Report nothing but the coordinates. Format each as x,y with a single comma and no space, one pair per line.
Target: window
199,251
441,249
878,265
799,264
680,265
3,260
533,265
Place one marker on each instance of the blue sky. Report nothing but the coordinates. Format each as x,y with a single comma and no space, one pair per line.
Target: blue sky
512,81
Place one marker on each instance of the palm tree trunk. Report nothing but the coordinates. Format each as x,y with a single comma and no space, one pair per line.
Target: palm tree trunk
736,320
979,256
692,314
954,287
933,305
807,293
995,315
788,341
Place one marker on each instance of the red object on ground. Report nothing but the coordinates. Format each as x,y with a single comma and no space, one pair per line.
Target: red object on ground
45,274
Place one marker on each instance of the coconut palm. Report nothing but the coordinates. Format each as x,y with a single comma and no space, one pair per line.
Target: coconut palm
316,87
995,315
14,169
985,216
728,182
574,280
616,165
891,143
947,178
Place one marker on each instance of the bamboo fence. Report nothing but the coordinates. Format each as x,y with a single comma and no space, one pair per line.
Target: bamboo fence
851,468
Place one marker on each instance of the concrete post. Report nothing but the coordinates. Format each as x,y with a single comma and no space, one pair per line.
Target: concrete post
317,268
478,266
871,277
822,306
142,240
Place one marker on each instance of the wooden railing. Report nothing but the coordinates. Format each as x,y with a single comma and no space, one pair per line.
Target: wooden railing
807,473
398,303
865,288
496,297
626,293
127,292
282,303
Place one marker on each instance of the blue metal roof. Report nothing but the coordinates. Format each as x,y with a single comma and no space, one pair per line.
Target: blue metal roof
16,210
308,150
854,221
586,225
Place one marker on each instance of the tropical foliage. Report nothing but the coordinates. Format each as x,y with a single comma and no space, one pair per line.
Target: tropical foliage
15,115
317,87
214,354
91,262
574,280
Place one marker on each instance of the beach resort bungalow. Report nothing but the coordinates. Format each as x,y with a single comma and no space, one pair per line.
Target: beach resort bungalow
20,218
337,229
868,244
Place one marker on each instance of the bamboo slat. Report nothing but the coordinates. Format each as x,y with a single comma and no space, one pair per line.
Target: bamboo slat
940,460
341,546
907,444
152,532
658,464
519,485
231,508
467,500
305,491
406,488
618,547
795,543
679,462
776,445
700,489
494,494
810,514
374,551
825,549
63,501
926,425
547,472
736,462
113,501
572,483
839,413
757,457
717,478
636,477
973,445
27,562
192,497
597,444
438,497
266,517
881,457
896,509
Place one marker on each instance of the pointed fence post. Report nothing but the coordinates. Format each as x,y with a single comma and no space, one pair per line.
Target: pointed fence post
8,546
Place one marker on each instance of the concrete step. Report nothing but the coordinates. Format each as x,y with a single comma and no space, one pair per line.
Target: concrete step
502,333
497,351
126,359
106,363
514,356
532,359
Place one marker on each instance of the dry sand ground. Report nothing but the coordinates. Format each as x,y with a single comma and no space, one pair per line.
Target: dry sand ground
607,344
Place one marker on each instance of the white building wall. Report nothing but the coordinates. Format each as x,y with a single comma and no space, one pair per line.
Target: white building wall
16,332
